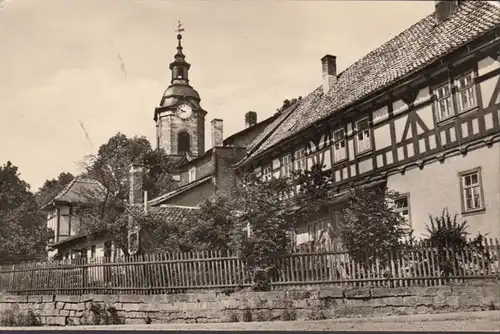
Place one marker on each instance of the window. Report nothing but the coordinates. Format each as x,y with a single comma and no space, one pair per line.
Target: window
402,206
466,92
92,252
286,165
266,173
192,174
363,136
183,142
472,194
64,229
300,159
339,147
444,105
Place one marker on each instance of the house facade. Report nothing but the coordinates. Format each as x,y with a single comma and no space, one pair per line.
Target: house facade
64,221
419,114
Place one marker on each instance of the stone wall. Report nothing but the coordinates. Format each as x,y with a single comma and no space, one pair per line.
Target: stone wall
262,306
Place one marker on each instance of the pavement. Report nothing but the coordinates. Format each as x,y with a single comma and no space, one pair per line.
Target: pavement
463,321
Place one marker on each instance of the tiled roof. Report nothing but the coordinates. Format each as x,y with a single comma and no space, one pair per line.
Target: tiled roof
167,213
405,54
76,191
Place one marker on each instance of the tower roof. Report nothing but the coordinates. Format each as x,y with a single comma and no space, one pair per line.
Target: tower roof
179,85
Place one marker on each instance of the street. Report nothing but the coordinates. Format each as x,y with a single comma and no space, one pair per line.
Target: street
465,321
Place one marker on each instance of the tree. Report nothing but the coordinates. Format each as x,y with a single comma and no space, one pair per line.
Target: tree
23,231
256,219
107,208
51,188
371,228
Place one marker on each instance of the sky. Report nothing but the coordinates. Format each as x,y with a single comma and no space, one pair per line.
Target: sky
102,66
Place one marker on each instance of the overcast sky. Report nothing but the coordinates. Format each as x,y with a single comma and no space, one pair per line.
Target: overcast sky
105,64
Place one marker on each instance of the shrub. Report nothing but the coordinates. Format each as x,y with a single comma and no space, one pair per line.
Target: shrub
289,315
14,317
247,315
104,315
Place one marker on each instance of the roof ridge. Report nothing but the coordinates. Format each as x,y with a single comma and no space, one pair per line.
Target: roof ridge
400,57
65,189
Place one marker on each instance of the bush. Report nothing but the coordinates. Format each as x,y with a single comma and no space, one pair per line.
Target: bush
14,317
104,315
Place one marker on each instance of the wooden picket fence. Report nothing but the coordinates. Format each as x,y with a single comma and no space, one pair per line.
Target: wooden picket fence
424,265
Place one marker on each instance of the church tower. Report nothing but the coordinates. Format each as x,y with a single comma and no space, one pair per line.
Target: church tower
180,120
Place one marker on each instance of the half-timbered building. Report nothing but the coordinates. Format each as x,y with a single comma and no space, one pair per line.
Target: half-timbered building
419,114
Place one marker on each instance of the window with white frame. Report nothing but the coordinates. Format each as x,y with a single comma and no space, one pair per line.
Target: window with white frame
286,165
402,206
472,194
192,174
444,103
363,142
466,92
266,173
339,145
300,159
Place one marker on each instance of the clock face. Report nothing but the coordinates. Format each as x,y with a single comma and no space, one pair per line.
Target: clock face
184,111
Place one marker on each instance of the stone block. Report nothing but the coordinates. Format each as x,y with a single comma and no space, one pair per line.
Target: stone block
387,301
467,301
60,305
13,299
47,298
131,299
59,321
465,290
68,299
108,299
350,311
357,293
86,298
34,299
331,292
417,300
383,310
132,307
72,313
301,303
64,313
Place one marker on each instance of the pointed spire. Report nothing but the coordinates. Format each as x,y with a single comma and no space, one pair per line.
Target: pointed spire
179,67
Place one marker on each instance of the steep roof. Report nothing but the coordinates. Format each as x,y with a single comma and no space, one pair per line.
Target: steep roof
405,54
76,191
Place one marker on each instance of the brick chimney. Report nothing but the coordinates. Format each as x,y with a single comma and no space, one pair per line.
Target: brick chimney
329,66
217,134
250,119
135,179
445,8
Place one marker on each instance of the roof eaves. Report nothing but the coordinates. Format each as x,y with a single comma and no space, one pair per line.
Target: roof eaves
256,145
180,190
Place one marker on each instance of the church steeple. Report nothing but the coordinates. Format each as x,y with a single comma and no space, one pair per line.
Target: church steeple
179,66
180,119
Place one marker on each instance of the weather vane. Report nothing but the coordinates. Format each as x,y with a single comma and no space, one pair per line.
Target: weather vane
179,27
